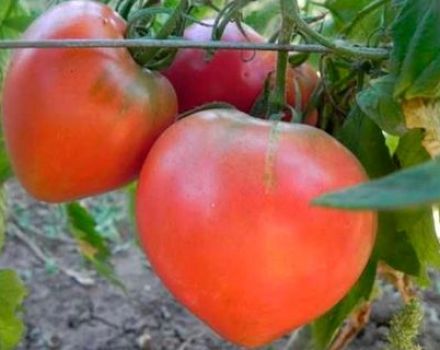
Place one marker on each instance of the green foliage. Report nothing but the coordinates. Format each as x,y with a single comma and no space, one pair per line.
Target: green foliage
263,16
12,294
405,327
14,19
359,20
379,104
92,244
393,243
2,218
364,138
411,187
416,53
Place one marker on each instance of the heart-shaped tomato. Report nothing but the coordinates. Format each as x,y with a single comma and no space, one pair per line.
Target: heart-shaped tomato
225,216
79,122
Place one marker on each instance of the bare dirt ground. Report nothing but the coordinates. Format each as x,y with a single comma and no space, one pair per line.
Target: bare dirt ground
84,312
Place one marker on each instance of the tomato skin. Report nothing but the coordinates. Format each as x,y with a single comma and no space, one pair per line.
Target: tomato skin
305,79
79,122
224,215
232,76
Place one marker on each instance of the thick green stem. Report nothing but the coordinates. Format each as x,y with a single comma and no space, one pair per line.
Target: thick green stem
277,99
336,47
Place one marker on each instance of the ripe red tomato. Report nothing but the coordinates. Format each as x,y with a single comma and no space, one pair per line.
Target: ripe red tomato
79,122
224,214
233,76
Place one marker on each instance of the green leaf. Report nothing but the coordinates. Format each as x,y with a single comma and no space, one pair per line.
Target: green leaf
416,186
392,244
420,228
410,151
346,11
2,218
416,50
12,294
364,138
378,103
325,328
263,16
91,242
418,224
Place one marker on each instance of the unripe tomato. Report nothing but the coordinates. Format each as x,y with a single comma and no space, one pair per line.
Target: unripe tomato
79,122
233,76
224,214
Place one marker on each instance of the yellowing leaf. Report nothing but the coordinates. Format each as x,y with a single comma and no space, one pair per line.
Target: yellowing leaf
425,114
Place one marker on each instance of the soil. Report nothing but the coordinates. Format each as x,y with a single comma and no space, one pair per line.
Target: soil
88,313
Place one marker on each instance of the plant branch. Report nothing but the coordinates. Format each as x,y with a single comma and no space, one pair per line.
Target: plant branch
176,43
277,99
335,46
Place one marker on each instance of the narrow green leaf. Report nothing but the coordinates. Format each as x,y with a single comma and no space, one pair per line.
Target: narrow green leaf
415,186
378,103
92,244
325,328
416,50
12,294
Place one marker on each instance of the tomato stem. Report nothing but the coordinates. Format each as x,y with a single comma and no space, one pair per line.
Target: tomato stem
277,99
382,53
173,26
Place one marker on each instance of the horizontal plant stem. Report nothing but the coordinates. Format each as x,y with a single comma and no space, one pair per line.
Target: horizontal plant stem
177,43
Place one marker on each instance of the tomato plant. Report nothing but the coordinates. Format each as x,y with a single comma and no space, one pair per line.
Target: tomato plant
79,122
258,226
223,209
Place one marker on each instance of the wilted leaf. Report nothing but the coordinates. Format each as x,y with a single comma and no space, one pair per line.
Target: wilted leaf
425,114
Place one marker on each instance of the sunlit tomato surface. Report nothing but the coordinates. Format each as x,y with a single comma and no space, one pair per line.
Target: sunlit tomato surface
233,76
224,214
79,122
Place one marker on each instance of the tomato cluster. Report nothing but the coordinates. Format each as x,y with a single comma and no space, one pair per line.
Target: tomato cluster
223,203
